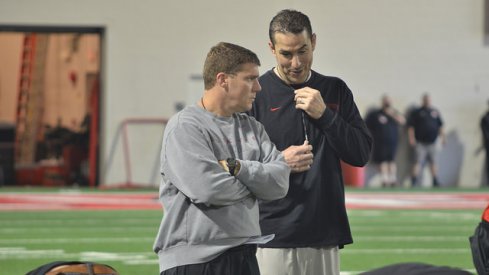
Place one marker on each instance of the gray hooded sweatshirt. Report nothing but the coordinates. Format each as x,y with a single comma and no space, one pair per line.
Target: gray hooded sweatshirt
206,210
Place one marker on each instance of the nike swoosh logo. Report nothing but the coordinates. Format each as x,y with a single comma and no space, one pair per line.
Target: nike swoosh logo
275,109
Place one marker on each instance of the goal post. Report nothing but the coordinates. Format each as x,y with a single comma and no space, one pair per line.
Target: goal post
137,154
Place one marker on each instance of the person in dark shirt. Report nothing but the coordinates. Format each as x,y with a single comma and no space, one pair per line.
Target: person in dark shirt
384,125
485,140
424,127
314,121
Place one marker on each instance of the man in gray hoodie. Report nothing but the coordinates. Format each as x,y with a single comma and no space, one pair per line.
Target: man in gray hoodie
216,163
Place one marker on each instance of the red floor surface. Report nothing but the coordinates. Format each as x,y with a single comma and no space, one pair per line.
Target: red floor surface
82,201
120,201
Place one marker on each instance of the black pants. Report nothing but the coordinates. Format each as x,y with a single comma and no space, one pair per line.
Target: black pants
240,260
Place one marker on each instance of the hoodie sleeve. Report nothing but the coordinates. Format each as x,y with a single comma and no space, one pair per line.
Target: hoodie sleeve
191,166
345,130
268,178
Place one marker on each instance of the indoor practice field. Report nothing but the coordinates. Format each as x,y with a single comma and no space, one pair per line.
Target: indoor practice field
118,228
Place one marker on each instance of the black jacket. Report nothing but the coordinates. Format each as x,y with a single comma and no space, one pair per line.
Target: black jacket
313,213
485,129
426,122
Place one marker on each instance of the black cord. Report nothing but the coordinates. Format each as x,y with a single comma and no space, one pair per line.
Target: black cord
305,127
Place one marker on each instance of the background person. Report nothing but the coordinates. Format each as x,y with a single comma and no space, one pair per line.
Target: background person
484,124
383,124
424,127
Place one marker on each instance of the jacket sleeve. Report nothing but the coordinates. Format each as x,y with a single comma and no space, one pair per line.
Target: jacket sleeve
346,131
191,166
268,178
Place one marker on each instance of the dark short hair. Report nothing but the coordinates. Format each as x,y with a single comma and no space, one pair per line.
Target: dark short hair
291,21
226,58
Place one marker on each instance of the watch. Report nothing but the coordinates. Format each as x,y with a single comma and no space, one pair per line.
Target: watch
233,166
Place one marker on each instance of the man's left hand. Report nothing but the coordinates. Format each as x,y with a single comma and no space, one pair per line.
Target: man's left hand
311,101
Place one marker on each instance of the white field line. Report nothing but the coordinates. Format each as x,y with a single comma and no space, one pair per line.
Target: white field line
467,214
472,271
407,251
62,221
7,253
132,258
150,239
153,221
414,228
422,222
149,258
355,227
438,214
48,229
138,258
409,238
73,240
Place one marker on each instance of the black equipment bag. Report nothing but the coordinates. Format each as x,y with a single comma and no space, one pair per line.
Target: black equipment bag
479,244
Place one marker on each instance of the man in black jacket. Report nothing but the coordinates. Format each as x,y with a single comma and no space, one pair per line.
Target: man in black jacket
314,121
424,127
383,124
485,139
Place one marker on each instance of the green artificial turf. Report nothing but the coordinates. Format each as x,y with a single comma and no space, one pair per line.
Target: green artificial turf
124,238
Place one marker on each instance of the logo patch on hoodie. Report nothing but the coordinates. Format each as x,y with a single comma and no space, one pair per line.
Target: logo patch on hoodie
333,106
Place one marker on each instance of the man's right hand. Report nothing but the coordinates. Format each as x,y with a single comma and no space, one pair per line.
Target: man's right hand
299,157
